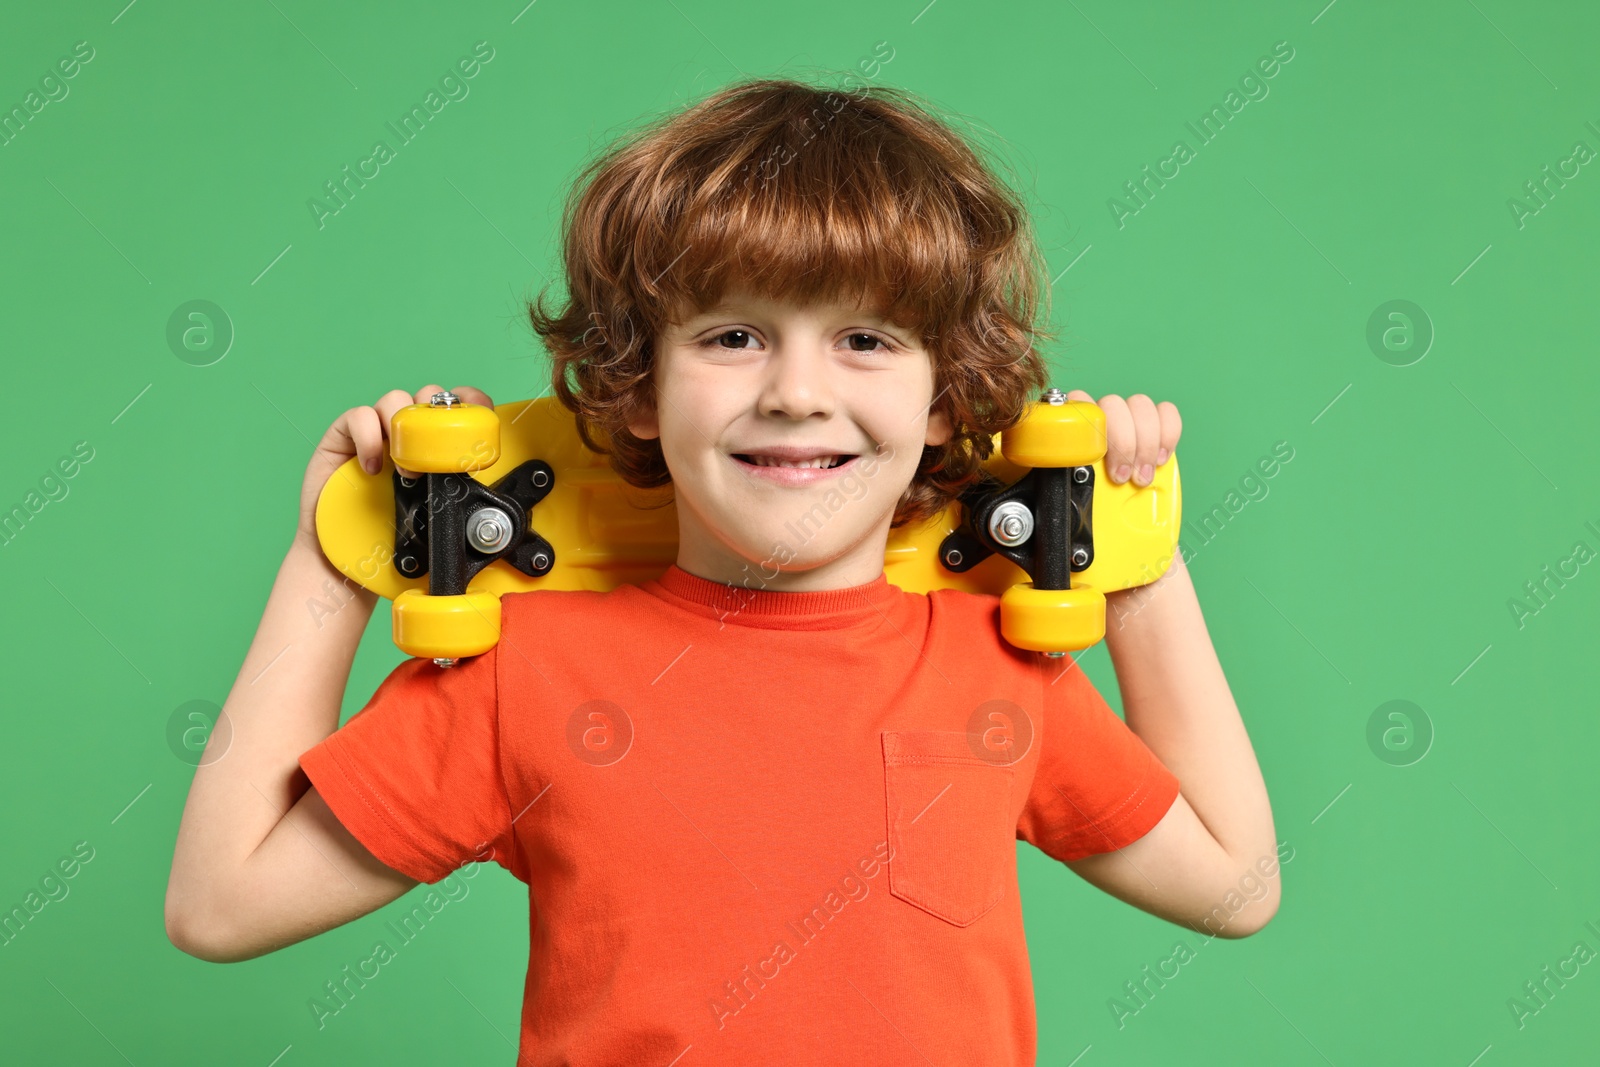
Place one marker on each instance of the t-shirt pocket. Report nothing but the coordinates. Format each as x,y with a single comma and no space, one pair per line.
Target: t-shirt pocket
952,836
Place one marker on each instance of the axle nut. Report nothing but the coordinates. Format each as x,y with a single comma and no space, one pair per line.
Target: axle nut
489,529
1011,523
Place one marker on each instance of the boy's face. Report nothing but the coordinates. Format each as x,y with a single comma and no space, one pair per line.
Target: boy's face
754,381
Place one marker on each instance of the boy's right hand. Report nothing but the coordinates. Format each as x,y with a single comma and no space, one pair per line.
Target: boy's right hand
362,432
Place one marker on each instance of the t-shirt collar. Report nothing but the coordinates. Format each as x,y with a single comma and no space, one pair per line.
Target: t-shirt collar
755,605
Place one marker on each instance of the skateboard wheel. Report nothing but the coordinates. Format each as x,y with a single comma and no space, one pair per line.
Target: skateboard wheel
1052,620
1072,434
445,440
446,627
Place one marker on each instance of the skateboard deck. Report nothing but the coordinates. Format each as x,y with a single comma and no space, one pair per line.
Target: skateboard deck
604,532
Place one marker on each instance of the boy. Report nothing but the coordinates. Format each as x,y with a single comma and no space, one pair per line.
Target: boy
766,804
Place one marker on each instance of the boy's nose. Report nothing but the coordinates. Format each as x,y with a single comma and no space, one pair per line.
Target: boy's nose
796,385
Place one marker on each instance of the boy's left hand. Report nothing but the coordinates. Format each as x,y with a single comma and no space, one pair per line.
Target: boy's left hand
1140,434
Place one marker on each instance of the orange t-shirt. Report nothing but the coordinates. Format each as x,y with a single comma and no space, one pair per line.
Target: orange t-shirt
756,826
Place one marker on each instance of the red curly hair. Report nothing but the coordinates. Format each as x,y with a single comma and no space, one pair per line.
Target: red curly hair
799,192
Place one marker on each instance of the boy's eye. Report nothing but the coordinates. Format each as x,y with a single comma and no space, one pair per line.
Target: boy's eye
858,342
741,334
871,339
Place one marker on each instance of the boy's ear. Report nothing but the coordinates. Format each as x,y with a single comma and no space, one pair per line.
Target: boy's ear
939,429
645,424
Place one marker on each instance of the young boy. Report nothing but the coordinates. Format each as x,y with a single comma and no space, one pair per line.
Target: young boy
766,804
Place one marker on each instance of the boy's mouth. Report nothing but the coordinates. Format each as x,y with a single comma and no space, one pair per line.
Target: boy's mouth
821,462
794,467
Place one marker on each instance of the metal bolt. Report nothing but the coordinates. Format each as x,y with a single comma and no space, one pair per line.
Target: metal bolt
489,529
446,399
443,661
407,564
1054,396
1080,557
540,561
953,558
1011,523
1055,655
540,479
1080,474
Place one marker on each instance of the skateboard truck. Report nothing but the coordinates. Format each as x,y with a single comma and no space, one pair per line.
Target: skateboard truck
1043,522
1026,523
476,525
449,526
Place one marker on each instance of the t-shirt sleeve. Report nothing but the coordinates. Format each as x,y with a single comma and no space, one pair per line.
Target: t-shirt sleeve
415,775
1098,787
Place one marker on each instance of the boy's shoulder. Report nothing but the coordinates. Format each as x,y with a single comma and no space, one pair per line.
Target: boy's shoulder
962,603
968,627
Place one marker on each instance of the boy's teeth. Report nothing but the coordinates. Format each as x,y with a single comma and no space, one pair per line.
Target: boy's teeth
769,461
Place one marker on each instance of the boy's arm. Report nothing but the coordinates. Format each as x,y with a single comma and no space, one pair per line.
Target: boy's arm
1214,855
261,861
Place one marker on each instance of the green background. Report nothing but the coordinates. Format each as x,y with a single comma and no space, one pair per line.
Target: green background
1378,566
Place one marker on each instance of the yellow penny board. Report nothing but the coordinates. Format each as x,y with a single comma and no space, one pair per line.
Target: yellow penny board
606,533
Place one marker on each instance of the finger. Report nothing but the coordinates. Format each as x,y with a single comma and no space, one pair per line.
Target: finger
338,443
366,433
1171,429
387,405
1147,437
1119,437
473,396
